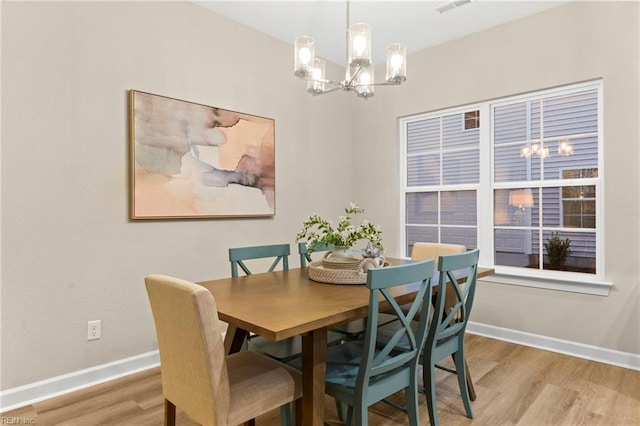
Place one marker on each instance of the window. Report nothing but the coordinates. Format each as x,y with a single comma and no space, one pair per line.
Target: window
532,205
442,175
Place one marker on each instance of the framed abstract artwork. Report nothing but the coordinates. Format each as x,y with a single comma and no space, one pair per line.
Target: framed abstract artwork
189,160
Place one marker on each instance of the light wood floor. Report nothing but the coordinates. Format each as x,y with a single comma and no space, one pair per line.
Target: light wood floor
516,385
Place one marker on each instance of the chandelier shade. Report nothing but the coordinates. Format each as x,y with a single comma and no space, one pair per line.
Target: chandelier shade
305,55
365,85
359,69
360,45
316,83
396,63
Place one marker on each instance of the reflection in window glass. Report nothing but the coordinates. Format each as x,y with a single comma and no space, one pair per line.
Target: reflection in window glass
516,207
569,251
579,206
446,217
422,208
471,120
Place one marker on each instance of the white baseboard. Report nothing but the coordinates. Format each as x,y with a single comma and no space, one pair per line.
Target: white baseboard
580,350
55,386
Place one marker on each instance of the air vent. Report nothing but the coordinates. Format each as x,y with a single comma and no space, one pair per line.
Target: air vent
445,7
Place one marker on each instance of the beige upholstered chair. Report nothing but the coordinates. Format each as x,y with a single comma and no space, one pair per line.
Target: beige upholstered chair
197,377
423,251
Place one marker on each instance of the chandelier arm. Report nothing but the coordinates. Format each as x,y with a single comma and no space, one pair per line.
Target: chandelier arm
351,78
321,80
333,89
382,83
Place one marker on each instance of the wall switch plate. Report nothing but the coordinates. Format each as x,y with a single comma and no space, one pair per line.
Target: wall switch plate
93,330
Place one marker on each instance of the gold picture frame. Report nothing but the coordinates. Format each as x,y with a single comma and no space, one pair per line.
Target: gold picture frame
189,160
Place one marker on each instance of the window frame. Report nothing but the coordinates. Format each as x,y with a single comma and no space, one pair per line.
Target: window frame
441,186
548,279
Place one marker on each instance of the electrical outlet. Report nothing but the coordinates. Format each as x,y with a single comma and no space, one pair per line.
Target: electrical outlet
93,330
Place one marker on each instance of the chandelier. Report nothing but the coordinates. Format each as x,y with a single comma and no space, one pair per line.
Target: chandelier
359,76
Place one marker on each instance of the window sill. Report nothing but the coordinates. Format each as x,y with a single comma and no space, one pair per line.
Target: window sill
575,283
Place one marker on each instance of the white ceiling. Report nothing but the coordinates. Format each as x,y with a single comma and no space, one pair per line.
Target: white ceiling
417,24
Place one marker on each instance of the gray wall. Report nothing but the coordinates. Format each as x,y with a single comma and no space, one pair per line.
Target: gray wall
575,42
70,254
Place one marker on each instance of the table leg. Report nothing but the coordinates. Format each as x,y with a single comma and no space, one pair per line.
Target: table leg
314,358
234,339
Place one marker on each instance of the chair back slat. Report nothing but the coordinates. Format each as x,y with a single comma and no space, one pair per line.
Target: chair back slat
237,256
379,360
305,251
454,322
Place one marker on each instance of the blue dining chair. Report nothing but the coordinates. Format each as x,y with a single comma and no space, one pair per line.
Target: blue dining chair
305,252
237,256
284,350
359,373
446,333
424,250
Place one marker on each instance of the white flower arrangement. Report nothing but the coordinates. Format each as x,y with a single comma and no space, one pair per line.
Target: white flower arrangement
320,232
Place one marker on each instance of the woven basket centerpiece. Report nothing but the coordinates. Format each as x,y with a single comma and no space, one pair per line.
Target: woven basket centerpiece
347,275
342,270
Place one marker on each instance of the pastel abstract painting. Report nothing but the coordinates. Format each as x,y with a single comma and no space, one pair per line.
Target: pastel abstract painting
195,161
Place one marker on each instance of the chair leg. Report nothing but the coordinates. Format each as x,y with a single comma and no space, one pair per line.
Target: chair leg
169,413
285,415
462,381
339,409
472,389
361,415
287,418
412,405
349,415
429,380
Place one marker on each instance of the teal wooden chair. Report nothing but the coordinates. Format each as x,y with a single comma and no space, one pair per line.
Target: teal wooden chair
305,253
237,256
446,333
359,373
284,350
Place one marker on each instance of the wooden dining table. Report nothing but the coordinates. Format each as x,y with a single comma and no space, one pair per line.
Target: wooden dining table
282,304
